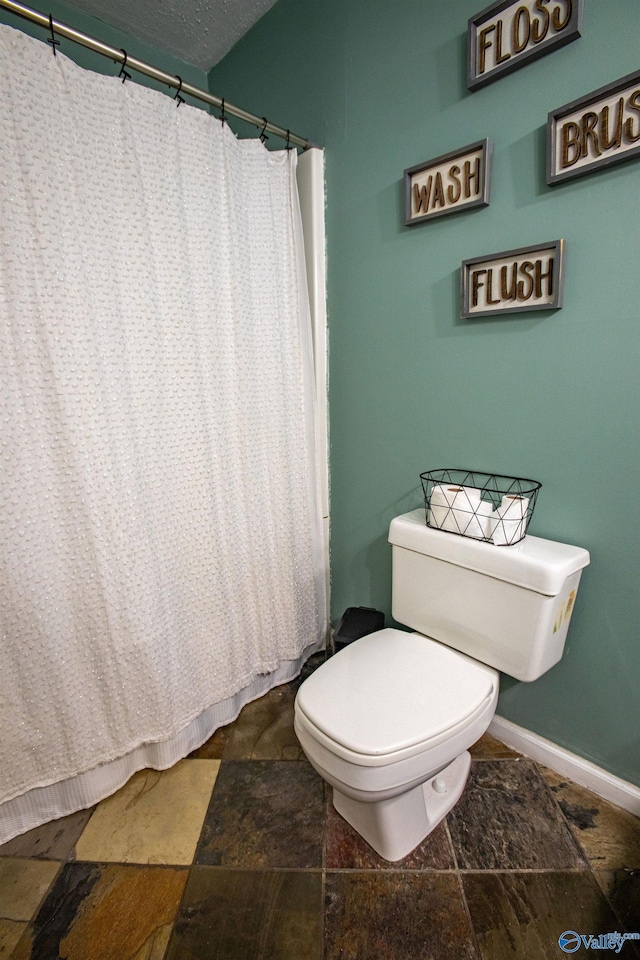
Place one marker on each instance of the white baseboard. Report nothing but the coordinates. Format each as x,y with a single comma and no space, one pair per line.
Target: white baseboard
587,774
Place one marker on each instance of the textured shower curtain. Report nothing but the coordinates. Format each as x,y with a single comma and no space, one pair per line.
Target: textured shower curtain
160,533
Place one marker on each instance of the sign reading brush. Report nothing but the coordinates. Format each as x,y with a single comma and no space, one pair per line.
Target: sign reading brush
595,131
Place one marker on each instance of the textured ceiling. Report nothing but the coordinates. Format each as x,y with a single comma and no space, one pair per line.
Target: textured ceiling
198,32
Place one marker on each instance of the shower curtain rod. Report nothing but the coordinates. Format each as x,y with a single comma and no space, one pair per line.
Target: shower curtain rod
119,56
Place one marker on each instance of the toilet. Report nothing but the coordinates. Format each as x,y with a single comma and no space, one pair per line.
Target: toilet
388,721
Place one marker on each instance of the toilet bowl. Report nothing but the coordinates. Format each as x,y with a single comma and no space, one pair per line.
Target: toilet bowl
389,719
387,722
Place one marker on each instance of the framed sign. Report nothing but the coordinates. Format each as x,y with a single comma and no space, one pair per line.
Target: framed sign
514,281
596,131
510,33
455,181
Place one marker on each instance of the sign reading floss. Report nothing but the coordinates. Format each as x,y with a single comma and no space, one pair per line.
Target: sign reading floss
510,33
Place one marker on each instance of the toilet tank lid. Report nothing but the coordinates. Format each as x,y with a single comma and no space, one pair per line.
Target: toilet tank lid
535,564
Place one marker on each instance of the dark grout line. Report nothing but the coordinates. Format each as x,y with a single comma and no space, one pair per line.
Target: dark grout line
390,869
451,843
323,912
34,914
532,870
583,853
498,759
120,863
252,868
465,905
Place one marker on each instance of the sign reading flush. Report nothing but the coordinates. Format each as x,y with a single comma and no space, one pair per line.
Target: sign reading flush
454,181
514,281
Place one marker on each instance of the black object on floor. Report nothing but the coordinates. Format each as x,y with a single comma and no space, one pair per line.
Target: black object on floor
356,622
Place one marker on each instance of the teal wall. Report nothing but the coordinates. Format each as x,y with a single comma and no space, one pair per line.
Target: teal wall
555,396
111,36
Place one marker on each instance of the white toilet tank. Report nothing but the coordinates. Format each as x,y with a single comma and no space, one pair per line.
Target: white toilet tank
508,607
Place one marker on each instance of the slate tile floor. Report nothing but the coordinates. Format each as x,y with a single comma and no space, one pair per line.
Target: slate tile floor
236,853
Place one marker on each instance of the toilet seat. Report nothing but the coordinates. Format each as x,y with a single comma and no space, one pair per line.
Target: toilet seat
392,695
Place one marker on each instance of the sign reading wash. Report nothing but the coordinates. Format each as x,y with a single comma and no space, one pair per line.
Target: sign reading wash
529,278
454,181
595,131
508,34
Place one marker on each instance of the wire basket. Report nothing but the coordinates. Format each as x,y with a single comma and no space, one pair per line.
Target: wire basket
483,506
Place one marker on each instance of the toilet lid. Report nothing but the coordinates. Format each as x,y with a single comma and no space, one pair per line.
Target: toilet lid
392,690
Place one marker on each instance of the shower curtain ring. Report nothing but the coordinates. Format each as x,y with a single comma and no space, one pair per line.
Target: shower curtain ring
287,145
223,116
123,69
54,43
177,96
263,135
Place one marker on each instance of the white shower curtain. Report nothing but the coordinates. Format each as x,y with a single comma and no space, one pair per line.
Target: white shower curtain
160,530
